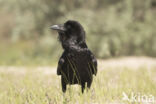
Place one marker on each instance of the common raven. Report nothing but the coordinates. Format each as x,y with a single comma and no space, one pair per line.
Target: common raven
77,63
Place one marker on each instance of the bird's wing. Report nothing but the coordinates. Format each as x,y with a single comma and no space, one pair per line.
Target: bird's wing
94,65
90,58
93,62
86,56
61,63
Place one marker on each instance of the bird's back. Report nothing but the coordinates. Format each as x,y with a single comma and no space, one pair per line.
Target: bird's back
77,67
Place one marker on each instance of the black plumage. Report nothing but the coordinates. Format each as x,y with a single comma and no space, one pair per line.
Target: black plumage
77,63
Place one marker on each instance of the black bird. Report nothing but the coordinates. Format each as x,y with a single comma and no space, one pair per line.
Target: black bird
77,63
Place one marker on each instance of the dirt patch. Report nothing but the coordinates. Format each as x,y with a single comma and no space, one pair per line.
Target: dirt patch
129,62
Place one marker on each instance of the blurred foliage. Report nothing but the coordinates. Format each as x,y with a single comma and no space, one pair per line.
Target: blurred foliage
113,27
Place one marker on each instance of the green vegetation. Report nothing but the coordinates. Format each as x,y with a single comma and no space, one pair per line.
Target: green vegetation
28,54
114,28
35,87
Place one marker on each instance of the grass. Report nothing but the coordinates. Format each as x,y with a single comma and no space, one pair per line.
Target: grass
35,87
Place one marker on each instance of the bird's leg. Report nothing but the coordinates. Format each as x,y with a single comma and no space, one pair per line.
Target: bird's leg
63,84
82,87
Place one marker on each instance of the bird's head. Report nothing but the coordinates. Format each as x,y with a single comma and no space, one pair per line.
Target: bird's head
70,29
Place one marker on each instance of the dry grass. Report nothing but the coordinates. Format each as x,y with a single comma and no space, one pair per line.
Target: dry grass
40,85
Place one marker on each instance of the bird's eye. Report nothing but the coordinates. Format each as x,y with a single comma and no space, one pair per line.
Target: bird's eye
68,26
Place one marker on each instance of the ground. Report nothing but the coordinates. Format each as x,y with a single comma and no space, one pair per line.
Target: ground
41,85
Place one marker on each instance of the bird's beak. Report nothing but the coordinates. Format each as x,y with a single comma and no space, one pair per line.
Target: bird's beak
58,27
